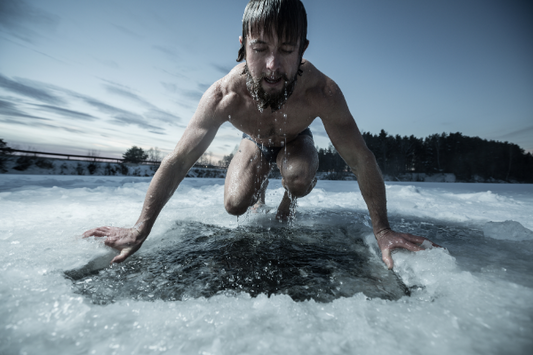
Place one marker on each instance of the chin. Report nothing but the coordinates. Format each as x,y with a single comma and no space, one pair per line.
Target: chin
272,89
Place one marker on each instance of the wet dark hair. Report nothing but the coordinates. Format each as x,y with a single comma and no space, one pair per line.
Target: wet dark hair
288,17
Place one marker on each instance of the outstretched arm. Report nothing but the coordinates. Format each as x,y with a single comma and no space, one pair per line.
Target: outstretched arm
195,140
347,140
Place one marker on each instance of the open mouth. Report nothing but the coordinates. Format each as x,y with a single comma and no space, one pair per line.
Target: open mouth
273,81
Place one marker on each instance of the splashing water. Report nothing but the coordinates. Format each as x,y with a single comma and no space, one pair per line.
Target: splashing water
317,263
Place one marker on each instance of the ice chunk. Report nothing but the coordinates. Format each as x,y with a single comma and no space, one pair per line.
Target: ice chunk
508,230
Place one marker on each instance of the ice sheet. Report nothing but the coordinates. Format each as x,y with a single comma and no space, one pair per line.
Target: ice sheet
473,298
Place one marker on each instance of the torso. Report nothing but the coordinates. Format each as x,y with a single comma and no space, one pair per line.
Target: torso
273,129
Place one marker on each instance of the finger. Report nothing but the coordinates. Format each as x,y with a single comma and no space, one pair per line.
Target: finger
435,245
414,238
408,245
420,240
97,232
387,258
124,253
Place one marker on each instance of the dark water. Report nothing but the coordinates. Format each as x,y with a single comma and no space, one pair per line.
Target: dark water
473,251
199,260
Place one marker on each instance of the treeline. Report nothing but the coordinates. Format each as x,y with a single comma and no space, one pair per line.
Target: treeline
469,158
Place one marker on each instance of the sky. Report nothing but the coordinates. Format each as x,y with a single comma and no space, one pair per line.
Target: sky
102,76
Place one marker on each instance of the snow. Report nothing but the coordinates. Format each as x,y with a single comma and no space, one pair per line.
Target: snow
474,297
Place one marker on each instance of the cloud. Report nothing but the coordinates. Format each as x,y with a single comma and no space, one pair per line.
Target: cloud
162,116
18,17
203,87
170,53
45,93
177,75
222,68
119,116
519,132
136,120
39,94
44,125
169,87
128,94
99,105
66,113
9,109
127,32
522,137
34,50
192,94
8,112
109,63
153,111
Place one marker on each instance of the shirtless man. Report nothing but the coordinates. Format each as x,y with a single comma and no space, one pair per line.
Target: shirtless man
272,98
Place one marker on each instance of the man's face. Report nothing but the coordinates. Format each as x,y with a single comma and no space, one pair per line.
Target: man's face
271,68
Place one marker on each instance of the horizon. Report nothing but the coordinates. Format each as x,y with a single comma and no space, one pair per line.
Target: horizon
97,154
104,76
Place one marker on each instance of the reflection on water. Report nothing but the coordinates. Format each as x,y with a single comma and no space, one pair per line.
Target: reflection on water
199,260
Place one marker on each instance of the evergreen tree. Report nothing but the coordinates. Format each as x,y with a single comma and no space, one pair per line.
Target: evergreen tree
134,155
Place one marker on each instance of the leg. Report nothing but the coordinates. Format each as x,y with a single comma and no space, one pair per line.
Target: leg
298,164
245,178
261,197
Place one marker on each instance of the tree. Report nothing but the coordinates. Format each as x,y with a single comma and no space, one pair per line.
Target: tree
134,155
224,163
205,159
93,153
4,151
154,155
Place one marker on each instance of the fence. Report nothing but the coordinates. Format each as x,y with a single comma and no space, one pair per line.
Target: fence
69,156
88,157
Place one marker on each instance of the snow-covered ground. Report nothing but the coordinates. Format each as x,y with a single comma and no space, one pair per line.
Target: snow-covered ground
29,165
200,284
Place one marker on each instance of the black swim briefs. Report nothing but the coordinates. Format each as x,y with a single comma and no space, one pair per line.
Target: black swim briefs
271,153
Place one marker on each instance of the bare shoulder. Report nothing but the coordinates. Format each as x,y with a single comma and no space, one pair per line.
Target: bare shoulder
322,91
224,95
229,89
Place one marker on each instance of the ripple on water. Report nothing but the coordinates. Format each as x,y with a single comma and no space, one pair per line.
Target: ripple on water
322,263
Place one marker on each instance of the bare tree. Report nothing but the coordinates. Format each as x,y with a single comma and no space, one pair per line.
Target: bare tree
93,153
154,155
205,159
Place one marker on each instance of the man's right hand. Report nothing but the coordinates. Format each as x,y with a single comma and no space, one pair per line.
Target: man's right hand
126,240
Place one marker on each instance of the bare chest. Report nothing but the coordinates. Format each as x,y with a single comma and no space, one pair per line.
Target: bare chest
273,129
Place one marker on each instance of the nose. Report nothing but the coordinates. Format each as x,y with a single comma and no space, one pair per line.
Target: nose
273,62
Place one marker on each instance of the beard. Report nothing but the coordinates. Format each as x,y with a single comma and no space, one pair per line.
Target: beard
274,100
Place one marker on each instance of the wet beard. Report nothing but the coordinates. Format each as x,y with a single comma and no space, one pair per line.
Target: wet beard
265,99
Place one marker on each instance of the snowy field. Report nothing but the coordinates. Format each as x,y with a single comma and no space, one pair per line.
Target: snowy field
208,283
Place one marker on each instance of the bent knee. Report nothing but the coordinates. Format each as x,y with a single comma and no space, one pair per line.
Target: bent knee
299,186
235,208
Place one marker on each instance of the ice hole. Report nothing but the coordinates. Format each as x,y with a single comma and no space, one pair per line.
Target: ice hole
320,263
